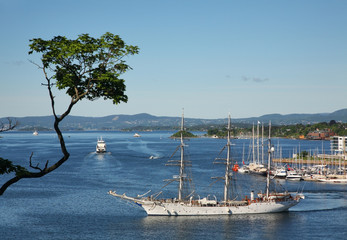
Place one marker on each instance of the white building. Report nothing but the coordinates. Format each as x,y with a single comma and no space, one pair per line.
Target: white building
338,145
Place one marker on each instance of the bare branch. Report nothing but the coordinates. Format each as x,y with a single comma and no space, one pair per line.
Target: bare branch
46,165
9,126
37,65
49,85
30,163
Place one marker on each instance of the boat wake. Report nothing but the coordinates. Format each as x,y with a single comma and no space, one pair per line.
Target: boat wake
94,157
142,147
99,156
99,166
322,201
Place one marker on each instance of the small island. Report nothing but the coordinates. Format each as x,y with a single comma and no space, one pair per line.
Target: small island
185,134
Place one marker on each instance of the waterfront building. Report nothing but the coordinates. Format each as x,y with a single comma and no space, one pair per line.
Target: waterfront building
325,134
339,145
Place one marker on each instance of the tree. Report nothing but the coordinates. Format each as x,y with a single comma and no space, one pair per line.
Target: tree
185,134
10,125
6,166
332,122
86,68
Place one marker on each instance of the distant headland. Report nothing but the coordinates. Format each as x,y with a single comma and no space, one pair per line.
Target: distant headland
144,121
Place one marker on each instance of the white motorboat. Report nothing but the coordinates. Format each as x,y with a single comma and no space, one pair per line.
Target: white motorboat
186,205
257,169
334,180
137,135
280,172
35,133
294,175
243,169
100,146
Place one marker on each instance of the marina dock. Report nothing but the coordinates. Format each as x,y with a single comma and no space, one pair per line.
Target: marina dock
312,162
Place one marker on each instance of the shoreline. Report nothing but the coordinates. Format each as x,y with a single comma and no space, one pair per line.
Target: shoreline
315,162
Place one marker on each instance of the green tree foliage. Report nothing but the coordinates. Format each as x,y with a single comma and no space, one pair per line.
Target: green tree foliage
285,131
86,68
185,134
7,166
304,154
221,133
294,131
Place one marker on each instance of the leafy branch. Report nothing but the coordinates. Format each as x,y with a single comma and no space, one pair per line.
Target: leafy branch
87,68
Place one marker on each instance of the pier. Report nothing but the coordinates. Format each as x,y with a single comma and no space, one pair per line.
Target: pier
326,161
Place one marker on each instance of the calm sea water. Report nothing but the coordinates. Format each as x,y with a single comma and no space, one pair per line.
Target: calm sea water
72,202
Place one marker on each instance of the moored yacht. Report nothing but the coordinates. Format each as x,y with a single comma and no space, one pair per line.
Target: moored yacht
280,172
294,175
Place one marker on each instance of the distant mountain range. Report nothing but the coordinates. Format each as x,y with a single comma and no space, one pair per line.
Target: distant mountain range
144,120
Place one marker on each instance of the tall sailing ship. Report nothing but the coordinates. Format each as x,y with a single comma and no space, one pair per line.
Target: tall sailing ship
186,205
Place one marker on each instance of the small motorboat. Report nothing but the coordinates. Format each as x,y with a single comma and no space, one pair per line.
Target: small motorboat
100,146
293,175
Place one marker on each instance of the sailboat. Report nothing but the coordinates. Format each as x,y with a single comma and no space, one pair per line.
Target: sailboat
244,168
186,205
256,167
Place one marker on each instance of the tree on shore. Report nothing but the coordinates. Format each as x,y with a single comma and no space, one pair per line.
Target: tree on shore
86,68
185,134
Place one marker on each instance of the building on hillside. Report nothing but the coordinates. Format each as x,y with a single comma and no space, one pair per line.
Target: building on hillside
338,145
320,134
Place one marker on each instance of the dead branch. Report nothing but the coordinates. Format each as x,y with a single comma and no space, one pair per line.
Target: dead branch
37,165
9,126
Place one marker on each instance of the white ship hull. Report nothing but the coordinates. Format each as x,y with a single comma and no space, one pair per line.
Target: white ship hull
178,209
169,208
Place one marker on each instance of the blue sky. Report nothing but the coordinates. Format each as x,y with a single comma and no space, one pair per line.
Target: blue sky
246,57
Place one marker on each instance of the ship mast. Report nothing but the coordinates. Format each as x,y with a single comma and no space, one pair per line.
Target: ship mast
183,178
180,188
258,153
270,150
227,166
253,150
